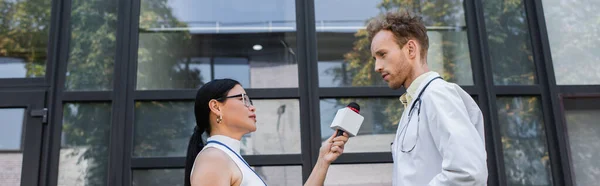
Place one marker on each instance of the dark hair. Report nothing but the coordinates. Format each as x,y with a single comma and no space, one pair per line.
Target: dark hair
404,26
215,89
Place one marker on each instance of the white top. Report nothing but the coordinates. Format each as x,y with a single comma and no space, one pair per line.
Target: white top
231,147
447,135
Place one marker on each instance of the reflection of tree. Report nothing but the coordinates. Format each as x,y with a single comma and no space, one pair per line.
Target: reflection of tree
360,65
24,26
163,58
87,127
162,128
524,141
509,42
93,26
92,55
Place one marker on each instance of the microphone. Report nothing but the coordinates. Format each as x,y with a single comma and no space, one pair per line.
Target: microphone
347,119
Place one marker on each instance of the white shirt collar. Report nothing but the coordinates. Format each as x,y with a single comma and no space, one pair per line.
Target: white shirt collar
230,142
412,90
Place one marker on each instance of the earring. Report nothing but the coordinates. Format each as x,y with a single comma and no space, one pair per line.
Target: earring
219,119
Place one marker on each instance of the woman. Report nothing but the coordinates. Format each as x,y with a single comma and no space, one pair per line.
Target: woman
225,113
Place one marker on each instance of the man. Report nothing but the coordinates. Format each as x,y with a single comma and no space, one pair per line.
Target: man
440,137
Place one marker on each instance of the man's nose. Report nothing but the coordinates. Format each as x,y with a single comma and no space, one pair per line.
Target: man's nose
378,66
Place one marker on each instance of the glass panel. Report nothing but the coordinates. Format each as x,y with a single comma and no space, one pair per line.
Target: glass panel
283,175
11,129
378,129
184,44
583,130
24,28
573,28
84,144
344,50
10,168
360,174
509,42
164,128
158,177
526,158
92,45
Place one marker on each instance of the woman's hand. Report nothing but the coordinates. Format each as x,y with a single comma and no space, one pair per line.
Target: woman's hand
332,148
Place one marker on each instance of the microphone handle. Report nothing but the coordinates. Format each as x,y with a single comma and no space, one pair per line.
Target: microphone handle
339,133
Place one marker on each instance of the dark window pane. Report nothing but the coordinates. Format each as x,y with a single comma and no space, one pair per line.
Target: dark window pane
573,29
92,45
158,177
11,128
509,42
24,27
254,45
378,129
164,128
526,158
344,50
282,175
360,174
84,144
583,129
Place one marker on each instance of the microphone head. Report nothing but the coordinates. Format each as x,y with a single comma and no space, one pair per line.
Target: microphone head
354,106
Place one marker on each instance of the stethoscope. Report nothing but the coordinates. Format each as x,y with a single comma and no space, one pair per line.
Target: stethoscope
410,113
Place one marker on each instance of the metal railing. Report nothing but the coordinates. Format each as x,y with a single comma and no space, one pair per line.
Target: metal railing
277,26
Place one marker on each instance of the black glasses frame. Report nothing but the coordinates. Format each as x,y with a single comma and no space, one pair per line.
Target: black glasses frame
245,99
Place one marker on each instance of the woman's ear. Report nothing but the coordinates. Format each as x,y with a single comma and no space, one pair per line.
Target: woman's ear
215,107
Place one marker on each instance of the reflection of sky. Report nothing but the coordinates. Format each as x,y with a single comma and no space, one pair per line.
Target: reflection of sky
10,128
203,15
328,110
269,10
12,68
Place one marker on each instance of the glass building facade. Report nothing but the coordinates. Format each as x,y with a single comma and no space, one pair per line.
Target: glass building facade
101,92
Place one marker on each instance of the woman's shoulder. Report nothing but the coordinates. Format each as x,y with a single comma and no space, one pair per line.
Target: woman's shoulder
211,157
212,162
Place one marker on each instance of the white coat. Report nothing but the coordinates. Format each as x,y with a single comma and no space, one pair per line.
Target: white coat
447,136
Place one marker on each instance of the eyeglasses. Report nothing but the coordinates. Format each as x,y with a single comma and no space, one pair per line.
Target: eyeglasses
247,101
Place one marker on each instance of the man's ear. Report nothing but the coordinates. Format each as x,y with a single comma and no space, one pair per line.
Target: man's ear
412,48
215,107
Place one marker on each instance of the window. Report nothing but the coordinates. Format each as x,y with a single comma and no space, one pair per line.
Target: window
163,129
526,158
344,50
184,44
509,42
582,116
92,45
24,31
573,34
84,144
